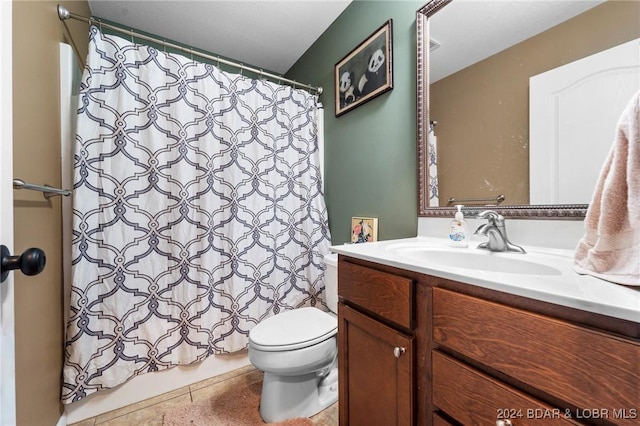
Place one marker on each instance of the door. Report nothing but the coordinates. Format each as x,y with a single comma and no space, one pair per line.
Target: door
573,114
376,372
7,353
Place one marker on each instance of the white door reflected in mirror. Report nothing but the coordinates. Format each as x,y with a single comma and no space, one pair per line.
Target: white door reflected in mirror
579,104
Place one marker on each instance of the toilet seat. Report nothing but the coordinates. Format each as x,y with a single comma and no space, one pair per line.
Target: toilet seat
292,330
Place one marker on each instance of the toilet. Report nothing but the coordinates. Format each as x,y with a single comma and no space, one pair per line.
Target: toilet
297,351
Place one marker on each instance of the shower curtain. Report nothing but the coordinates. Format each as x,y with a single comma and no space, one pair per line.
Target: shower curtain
434,196
197,212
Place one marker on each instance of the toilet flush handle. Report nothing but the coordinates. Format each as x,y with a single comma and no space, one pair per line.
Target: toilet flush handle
398,351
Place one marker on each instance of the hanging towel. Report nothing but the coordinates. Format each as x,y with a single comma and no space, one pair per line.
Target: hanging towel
610,247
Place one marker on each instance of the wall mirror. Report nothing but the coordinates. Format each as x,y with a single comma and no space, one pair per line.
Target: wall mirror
469,52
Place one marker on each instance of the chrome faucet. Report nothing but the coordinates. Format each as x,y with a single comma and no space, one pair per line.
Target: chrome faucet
497,232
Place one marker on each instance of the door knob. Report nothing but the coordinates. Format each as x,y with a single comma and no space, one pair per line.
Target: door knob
398,351
30,262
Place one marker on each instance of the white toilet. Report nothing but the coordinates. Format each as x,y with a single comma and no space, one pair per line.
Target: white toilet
297,351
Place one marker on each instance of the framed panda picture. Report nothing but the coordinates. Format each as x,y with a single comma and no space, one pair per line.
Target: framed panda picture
366,71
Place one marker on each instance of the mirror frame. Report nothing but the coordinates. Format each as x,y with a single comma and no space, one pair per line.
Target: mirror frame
546,211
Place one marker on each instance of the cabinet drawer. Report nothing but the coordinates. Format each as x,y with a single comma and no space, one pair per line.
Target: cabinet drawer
473,398
386,295
585,368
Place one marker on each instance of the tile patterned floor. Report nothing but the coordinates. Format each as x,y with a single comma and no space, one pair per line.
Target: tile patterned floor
151,411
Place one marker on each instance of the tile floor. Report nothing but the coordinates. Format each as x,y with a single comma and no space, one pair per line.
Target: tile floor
151,411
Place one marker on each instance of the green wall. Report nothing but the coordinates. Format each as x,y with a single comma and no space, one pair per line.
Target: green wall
370,152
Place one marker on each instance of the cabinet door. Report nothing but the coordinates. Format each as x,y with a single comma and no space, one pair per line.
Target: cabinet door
376,371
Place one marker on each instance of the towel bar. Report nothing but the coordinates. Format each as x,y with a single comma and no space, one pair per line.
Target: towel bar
498,199
48,191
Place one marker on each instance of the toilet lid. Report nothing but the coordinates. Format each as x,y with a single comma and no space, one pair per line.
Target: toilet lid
293,330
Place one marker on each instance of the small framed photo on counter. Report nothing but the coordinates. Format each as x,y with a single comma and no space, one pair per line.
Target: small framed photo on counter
364,229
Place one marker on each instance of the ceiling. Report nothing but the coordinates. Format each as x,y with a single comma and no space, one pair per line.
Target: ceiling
266,34
468,31
274,34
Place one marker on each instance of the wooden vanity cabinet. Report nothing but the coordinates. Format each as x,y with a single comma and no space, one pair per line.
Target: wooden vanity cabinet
474,356
376,355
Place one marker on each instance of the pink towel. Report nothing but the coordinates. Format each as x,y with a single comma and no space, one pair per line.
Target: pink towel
610,248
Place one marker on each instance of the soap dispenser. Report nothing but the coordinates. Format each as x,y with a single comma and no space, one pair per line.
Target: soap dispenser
458,230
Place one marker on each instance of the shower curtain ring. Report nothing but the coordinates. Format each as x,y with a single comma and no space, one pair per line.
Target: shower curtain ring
241,69
131,30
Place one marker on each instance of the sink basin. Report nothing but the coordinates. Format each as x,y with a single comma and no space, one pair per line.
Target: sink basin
478,260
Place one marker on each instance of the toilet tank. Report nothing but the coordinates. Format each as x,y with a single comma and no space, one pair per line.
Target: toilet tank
331,281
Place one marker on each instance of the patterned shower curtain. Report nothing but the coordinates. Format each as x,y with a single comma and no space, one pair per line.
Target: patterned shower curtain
434,196
197,212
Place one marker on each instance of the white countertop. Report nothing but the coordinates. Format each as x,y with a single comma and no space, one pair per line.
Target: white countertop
566,288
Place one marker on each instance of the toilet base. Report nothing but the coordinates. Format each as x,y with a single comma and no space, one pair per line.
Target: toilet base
286,397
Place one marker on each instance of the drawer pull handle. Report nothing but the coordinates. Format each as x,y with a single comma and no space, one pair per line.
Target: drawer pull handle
398,351
505,422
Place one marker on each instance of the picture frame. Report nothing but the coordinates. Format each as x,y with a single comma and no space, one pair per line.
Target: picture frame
366,72
364,229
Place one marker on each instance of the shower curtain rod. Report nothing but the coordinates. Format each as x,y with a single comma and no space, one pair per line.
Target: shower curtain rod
64,14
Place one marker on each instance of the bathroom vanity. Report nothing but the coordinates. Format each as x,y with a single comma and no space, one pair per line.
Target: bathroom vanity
427,342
